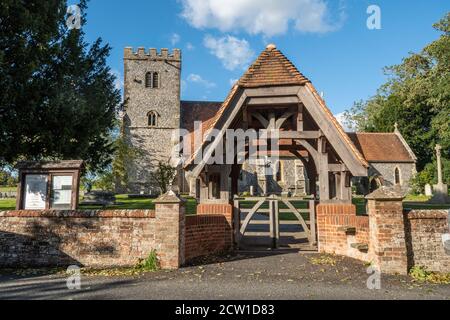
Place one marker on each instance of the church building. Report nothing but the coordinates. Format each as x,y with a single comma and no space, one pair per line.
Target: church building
315,155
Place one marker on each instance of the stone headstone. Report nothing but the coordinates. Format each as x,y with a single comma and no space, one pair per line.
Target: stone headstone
440,189
428,190
99,198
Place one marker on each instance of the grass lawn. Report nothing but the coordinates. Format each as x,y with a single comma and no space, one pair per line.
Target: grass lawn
8,189
124,203
420,202
7,204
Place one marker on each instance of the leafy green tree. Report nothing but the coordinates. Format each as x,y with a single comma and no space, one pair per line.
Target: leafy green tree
57,95
7,178
417,97
164,176
124,154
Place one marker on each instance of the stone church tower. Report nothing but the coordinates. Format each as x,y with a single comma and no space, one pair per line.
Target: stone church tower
152,96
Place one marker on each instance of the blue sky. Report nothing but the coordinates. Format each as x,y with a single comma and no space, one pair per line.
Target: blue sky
328,41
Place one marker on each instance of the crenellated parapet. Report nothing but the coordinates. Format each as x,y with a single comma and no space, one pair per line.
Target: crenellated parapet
152,54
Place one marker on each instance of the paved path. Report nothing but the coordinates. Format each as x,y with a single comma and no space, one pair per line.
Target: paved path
251,275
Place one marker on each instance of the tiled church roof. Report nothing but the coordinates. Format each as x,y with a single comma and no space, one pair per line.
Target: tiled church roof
192,111
381,147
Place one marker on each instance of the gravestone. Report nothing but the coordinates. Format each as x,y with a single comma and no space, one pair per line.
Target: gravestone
440,189
99,198
428,190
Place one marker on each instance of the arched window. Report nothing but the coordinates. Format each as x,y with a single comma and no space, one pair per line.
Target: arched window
148,80
152,80
155,80
152,119
397,176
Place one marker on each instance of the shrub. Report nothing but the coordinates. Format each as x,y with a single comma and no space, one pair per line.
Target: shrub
151,263
421,274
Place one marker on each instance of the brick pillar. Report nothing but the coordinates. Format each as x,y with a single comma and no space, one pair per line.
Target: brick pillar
387,231
327,217
169,230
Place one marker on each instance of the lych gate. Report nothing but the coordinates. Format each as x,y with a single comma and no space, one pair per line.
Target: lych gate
274,96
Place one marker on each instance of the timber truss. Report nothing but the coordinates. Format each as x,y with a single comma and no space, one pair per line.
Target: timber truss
307,130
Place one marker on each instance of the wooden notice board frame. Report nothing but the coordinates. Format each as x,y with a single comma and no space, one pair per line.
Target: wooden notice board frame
49,169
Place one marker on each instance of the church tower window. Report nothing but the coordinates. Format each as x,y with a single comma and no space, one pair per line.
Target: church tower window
152,119
152,80
397,176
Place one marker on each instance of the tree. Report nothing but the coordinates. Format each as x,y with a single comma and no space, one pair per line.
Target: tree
124,154
57,95
417,97
164,176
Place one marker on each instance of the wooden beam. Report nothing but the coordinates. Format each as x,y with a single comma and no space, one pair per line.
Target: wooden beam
250,216
300,125
231,115
345,190
299,135
272,91
342,148
272,121
261,119
259,101
283,119
312,219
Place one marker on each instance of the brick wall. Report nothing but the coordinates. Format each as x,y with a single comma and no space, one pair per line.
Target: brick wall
103,238
87,238
424,230
210,232
339,228
206,234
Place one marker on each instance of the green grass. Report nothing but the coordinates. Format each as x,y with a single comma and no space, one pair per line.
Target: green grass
7,204
416,198
124,203
8,189
421,202
425,206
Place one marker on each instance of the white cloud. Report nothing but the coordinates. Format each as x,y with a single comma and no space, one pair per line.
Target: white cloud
233,81
118,83
267,17
190,46
340,117
231,51
195,78
183,87
175,38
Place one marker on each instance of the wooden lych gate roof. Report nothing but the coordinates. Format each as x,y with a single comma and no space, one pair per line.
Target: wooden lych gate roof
273,72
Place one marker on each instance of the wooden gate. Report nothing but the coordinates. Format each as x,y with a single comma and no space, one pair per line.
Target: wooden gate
275,222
